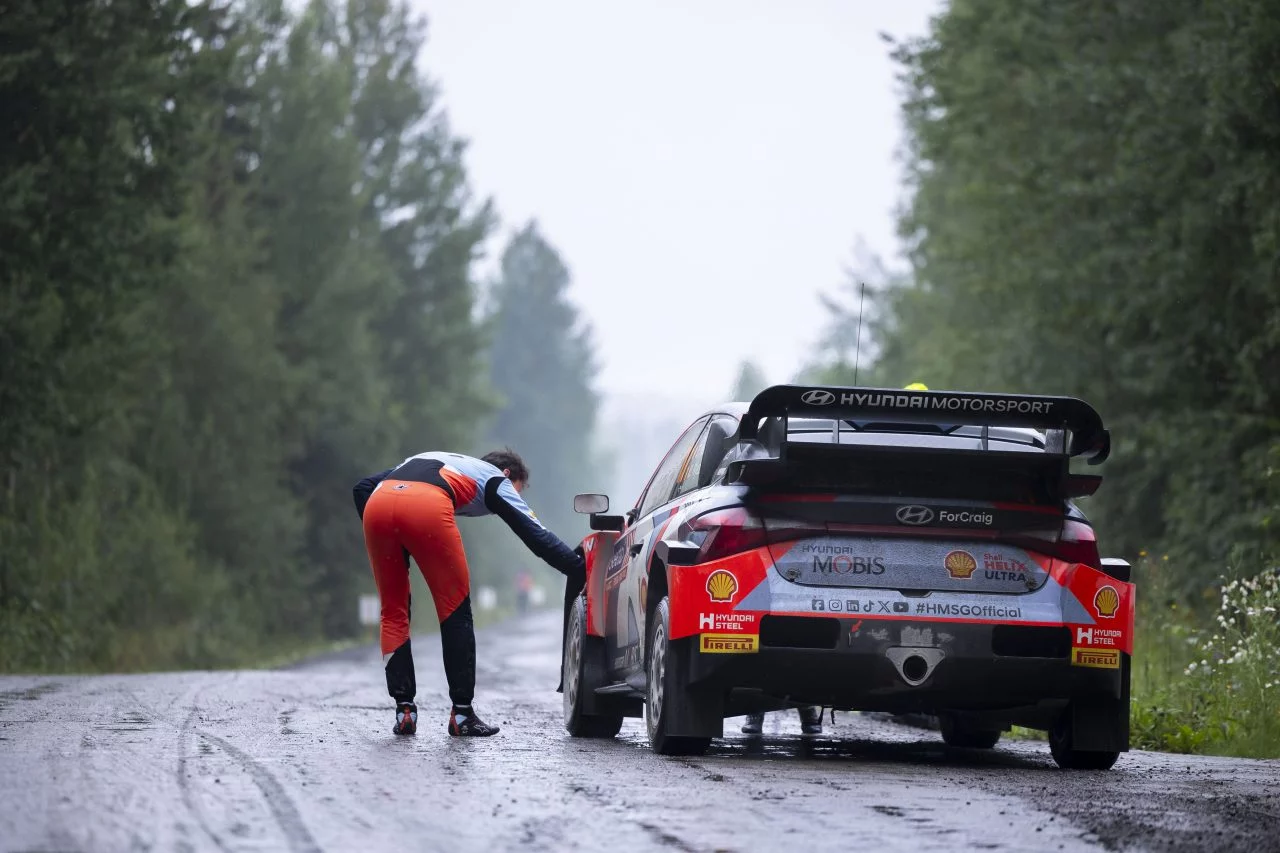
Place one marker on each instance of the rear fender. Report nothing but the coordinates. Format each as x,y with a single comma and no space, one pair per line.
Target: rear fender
706,599
655,585
1107,605
597,549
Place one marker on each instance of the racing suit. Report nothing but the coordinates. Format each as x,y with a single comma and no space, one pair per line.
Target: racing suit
410,510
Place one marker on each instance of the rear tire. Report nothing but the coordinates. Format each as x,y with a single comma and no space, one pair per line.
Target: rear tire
1062,748
583,671
667,686
966,737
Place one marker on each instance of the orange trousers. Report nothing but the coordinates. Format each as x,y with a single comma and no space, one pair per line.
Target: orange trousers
418,518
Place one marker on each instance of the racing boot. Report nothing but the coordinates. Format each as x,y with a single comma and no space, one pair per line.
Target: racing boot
463,722
406,719
810,720
754,724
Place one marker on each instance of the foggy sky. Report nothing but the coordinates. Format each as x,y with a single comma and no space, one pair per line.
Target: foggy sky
705,167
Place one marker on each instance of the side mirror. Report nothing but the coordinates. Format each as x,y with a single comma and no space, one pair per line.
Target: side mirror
591,504
596,506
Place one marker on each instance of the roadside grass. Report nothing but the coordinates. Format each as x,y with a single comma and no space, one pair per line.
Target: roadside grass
1206,675
220,647
1020,733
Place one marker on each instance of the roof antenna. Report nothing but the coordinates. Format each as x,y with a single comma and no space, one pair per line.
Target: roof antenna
857,350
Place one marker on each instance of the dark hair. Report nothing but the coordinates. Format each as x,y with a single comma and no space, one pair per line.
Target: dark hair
507,459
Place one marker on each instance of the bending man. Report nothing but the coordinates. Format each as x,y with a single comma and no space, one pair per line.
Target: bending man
408,511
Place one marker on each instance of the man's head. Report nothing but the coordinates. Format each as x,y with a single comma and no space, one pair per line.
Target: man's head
510,464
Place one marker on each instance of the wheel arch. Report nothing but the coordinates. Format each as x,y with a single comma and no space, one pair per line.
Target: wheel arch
657,587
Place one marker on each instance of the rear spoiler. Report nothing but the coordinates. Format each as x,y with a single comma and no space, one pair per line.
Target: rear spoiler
941,408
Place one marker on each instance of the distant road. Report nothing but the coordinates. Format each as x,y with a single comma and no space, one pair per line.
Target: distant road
303,760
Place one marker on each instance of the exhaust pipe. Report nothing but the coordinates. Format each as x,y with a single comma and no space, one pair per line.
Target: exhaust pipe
914,663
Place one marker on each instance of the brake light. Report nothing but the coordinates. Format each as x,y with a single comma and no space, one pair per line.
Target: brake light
726,531
1078,544
723,532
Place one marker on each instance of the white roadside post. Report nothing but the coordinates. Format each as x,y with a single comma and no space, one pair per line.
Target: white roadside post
370,613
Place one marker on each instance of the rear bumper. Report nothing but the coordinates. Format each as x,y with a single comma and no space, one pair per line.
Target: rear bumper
1020,674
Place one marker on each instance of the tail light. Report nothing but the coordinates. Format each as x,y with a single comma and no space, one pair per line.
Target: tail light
1077,544
1074,542
723,532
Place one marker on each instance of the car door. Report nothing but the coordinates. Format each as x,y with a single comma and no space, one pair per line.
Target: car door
626,581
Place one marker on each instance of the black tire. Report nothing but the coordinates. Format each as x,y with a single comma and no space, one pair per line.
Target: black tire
966,737
583,670
1070,758
667,685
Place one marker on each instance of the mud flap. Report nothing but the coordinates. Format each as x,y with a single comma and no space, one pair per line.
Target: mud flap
1101,723
700,711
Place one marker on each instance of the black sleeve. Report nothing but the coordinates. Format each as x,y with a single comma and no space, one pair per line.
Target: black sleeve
538,539
365,487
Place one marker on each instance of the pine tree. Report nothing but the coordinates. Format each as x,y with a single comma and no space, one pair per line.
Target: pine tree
750,382
542,364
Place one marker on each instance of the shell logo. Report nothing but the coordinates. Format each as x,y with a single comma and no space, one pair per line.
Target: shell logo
721,585
960,564
1107,602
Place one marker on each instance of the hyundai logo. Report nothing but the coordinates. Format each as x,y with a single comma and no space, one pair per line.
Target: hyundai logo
915,515
818,397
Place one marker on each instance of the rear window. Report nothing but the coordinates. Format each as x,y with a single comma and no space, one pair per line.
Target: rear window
962,437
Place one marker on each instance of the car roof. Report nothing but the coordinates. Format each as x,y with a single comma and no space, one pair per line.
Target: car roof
736,409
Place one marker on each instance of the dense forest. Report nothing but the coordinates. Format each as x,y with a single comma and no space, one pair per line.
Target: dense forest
1093,209
238,275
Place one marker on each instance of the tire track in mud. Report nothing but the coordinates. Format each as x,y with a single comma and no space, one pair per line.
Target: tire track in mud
29,694
186,735
664,837
277,799
282,808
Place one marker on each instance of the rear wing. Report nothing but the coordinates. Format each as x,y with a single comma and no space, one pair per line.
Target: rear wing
941,408
1072,428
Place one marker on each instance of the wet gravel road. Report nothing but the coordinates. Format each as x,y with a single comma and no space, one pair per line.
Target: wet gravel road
303,760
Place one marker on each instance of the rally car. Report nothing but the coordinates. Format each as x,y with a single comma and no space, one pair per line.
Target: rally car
912,552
